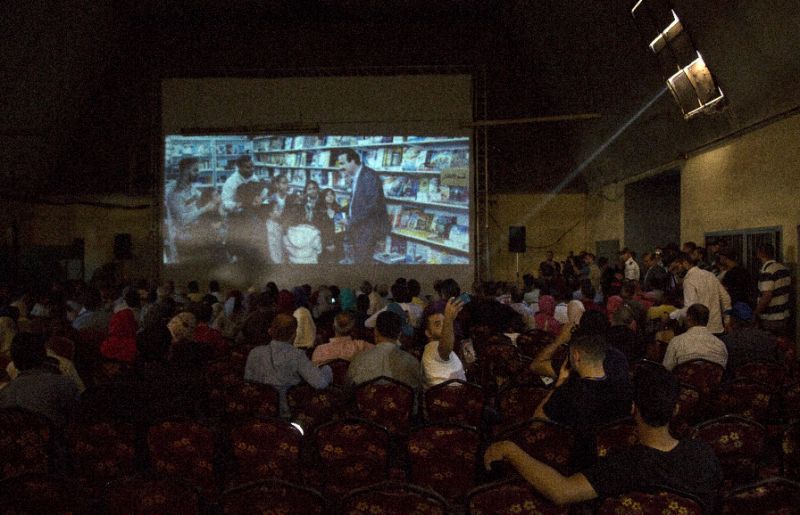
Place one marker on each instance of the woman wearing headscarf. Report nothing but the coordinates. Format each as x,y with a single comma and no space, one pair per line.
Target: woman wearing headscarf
545,319
575,310
306,329
121,341
286,303
347,299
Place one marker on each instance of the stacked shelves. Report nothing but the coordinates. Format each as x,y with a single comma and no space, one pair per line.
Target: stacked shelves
217,156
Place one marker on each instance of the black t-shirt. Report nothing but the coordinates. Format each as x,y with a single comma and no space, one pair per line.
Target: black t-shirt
690,467
615,364
585,404
737,282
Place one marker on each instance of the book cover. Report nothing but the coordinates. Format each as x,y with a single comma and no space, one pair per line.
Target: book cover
410,158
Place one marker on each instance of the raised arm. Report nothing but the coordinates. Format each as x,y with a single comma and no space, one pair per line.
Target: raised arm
542,363
447,341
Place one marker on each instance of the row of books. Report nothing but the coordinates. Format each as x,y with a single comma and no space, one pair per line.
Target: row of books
423,189
403,251
272,143
434,226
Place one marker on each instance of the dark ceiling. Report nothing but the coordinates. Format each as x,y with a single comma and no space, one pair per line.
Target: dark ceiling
80,101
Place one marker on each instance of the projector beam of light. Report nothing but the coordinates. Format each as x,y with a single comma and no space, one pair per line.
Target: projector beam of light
577,171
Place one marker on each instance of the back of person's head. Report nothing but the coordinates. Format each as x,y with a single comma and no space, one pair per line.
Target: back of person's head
587,290
362,303
209,299
389,325
623,316
592,322
655,394
628,289
767,250
213,285
344,323
365,288
193,287
382,289
449,288
283,328
201,310
28,351
697,314
414,288
294,214
517,295
132,298
527,281
400,292
591,346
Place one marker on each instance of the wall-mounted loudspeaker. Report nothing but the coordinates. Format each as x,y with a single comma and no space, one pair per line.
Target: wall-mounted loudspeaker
123,246
516,238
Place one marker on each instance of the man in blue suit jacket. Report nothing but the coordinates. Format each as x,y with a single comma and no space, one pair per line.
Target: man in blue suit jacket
368,220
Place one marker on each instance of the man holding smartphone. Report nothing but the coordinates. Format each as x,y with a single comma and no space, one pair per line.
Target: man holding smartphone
439,362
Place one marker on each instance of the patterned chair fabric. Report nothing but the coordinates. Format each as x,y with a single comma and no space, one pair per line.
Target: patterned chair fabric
788,348
245,400
455,401
138,496
101,450
267,449
351,452
444,457
41,493
273,496
498,364
616,436
311,407
545,440
386,402
688,411
393,498
183,449
219,376
700,373
774,496
790,452
517,404
664,503
24,443
510,496
771,375
110,402
744,398
791,402
339,368
738,443
531,343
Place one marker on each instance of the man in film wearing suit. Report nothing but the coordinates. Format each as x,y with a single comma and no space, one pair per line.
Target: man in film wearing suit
368,221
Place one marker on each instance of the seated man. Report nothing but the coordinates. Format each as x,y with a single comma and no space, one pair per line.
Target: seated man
281,364
746,342
341,346
439,362
697,342
38,387
658,460
386,358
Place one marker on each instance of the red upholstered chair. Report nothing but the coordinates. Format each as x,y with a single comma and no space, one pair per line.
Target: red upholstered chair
741,397
700,373
640,502
498,363
616,436
219,376
311,407
517,404
545,440
393,498
444,458
101,451
41,493
139,496
183,449
687,411
246,400
24,442
531,343
455,401
790,452
776,496
386,402
273,496
770,374
267,449
791,402
339,368
351,452
738,442
510,496
788,348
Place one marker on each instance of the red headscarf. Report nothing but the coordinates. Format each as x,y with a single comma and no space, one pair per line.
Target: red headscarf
121,341
544,318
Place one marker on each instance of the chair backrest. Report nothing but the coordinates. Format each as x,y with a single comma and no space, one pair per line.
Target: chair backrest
273,496
42,493
700,373
546,441
351,452
24,442
245,400
267,448
387,402
641,502
497,363
393,498
139,496
444,458
185,449
616,436
455,401
772,375
311,407
510,496
790,452
741,397
531,343
790,395
688,410
517,404
339,368
773,495
101,450
738,442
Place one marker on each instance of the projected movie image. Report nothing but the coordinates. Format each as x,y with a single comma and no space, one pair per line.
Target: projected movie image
312,199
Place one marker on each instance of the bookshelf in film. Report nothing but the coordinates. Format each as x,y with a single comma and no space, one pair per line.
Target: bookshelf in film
425,182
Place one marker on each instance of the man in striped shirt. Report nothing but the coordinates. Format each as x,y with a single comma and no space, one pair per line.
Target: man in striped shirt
774,287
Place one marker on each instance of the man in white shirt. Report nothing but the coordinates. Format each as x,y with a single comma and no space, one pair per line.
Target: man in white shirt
439,362
240,194
400,296
632,272
701,287
697,342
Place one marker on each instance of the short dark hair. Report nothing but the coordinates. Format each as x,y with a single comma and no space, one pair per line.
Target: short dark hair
28,351
344,323
592,322
449,288
593,346
389,324
655,393
414,288
350,154
213,285
202,311
243,159
698,313
283,327
186,163
768,249
400,292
